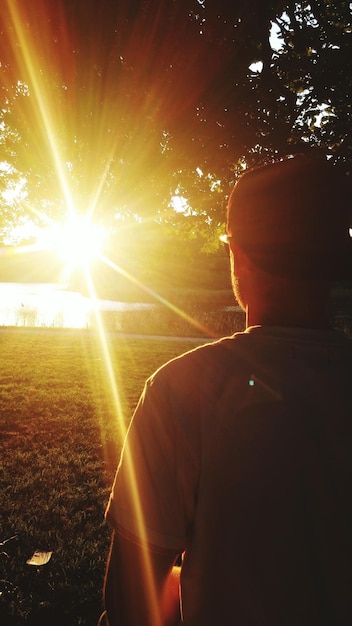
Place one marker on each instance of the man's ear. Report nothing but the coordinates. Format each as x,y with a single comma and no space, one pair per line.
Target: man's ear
241,262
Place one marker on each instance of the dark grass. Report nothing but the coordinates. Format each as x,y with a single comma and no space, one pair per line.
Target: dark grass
60,438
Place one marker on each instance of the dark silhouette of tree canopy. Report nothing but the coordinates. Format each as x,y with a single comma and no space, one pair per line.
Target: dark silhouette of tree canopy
119,106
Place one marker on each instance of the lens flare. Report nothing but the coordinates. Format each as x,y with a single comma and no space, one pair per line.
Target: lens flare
78,241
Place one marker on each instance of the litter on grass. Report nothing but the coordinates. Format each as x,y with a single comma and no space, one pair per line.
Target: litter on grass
39,558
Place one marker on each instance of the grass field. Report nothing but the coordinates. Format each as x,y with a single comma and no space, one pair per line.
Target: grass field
65,402
62,419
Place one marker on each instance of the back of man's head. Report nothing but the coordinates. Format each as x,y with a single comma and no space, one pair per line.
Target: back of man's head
292,219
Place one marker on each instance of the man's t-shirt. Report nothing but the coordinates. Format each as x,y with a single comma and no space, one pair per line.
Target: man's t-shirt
239,456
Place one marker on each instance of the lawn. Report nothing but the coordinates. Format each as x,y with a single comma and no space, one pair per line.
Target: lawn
66,399
63,412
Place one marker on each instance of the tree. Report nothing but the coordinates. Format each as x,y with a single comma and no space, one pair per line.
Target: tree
117,107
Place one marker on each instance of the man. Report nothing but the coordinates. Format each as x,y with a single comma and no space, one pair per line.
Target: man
239,454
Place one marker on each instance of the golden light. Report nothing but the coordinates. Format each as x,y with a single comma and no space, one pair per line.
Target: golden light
78,242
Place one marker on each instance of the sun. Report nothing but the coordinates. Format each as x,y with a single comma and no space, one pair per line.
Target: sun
78,241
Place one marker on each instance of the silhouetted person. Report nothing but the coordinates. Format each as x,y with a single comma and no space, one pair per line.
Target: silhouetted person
239,454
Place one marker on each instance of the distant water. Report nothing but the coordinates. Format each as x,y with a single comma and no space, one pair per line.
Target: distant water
46,305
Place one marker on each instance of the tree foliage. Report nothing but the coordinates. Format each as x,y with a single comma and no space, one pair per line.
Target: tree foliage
115,107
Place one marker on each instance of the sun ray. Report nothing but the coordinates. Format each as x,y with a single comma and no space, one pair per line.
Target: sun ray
106,354
26,50
158,297
153,600
99,188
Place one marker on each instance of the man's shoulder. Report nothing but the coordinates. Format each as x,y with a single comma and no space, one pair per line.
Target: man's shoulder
209,351
244,352
205,361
